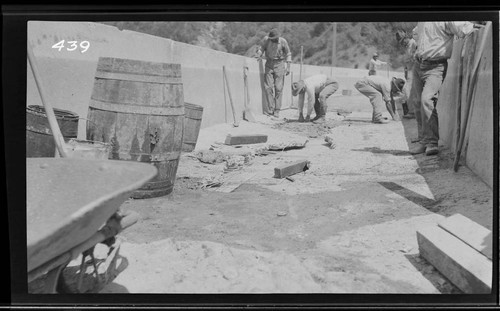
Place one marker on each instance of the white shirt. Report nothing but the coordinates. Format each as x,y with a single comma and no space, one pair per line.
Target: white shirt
313,85
375,64
435,39
381,84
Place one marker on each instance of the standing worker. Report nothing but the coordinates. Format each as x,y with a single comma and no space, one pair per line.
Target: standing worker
434,48
277,53
318,88
375,64
379,90
410,46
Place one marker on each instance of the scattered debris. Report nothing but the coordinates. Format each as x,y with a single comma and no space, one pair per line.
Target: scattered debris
291,168
287,145
282,213
330,142
290,178
209,156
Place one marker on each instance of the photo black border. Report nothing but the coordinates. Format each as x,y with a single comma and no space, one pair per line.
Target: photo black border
15,18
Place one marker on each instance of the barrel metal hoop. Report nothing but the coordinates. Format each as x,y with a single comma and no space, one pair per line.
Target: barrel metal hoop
138,77
136,109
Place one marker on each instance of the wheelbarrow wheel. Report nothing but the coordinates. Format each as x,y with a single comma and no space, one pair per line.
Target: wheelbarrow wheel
62,287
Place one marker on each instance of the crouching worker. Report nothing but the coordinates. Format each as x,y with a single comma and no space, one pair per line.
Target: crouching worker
379,90
318,88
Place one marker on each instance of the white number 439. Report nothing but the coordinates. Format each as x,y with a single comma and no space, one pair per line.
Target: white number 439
73,45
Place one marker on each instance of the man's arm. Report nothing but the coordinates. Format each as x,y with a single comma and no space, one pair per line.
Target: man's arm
288,54
310,99
460,29
261,49
300,104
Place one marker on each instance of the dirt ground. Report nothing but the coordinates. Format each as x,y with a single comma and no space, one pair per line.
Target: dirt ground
346,225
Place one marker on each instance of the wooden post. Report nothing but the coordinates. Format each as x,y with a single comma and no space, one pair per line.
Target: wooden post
334,47
301,56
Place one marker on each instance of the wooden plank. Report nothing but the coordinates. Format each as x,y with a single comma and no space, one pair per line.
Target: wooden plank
291,168
245,139
234,180
470,232
462,265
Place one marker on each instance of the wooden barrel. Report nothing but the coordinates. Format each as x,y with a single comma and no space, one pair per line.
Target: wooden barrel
138,107
192,124
39,139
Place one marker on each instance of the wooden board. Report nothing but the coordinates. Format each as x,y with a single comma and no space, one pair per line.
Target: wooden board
291,168
233,181
470,232
245,139
465,267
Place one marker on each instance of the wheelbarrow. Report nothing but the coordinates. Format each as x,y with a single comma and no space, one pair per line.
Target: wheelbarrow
73,205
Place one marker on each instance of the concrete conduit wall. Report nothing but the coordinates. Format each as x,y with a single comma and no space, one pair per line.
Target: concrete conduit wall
478,144
68,76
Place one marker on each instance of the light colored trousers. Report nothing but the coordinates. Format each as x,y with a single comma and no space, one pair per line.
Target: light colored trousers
274,78
427,80
320,106
375,97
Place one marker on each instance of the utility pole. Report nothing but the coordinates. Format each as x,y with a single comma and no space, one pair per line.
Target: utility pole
334,47
301,56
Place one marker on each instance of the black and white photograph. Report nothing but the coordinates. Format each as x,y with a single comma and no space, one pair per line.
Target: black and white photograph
269,155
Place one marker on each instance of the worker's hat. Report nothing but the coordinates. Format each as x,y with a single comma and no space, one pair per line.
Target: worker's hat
297,87
375,54
273,34
399,83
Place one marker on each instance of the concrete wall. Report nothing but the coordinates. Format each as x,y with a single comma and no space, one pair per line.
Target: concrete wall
68,76
479,137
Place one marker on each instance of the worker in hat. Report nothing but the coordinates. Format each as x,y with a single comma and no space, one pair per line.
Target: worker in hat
379,90
375,63
434,42
408,43
318,88
278,59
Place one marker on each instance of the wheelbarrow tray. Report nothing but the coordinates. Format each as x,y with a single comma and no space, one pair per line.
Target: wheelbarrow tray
69,199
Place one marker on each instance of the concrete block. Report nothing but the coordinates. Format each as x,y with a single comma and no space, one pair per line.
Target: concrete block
470,232
245,139
461,264
291,168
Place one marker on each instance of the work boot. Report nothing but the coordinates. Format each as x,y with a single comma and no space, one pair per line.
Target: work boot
308,118
409,116
431,150
416,140
316,118
396,117
419,149
319,120
301,117
276,113
380,121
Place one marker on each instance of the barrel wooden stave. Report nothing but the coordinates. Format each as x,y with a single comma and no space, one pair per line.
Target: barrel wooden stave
192,125
142,119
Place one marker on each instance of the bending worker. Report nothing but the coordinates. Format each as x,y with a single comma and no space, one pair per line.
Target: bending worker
277,53
318,88
379,90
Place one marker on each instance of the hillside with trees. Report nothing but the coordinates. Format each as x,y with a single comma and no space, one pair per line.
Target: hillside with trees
356,41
